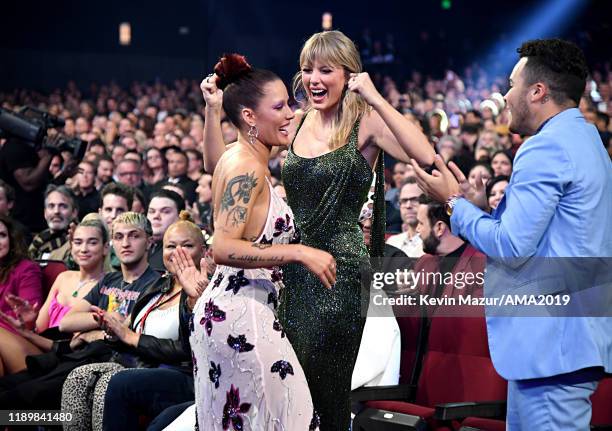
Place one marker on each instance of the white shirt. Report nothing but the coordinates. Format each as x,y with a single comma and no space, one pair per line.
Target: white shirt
413,247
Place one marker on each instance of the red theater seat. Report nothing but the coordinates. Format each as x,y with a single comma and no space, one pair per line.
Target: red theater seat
457,378
50,270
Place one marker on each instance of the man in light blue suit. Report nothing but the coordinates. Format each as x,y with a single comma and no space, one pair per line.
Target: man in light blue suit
558,204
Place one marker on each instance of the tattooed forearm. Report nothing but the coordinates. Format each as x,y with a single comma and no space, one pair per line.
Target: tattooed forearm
237,215
251,258
238,190
261,246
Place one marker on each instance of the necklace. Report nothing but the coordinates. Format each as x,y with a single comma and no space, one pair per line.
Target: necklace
83,283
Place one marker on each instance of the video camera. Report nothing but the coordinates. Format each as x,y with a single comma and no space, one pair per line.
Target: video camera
31,124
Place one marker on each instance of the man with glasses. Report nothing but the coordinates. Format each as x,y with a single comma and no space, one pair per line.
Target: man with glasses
129,172
409,240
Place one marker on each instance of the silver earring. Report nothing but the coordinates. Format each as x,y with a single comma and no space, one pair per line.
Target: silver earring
253,134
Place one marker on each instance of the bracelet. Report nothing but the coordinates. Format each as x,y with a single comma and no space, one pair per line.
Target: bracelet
451,202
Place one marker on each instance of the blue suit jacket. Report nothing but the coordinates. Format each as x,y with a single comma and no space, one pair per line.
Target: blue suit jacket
558,204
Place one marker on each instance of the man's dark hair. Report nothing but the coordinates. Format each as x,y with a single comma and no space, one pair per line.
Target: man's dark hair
472,129
475,112
435,211
107,158
133,152
407,180
557,63
169,194
118,189
97,142
63,190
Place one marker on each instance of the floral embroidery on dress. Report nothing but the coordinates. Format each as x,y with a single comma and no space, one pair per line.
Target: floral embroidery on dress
273,299
278,327
282,368
236,282
239,343
276,274
233,410
282,225
212,313
214,373
218,280
297,236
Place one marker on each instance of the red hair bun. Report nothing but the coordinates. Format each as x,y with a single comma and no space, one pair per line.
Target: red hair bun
230,68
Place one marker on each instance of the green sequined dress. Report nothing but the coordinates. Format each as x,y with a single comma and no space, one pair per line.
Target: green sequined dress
326,194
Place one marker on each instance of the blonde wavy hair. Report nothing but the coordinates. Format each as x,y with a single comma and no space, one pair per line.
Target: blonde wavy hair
135,219
335,49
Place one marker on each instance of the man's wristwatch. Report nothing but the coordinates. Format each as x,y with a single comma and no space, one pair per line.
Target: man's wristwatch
451,202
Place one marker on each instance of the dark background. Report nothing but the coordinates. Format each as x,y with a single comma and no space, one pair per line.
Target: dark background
45,44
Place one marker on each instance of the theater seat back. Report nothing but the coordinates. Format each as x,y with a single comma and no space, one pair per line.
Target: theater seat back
50,270
457,366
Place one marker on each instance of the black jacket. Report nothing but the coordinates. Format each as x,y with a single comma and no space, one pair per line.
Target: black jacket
152,351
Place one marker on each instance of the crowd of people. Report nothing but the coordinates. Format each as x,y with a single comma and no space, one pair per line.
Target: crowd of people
133,223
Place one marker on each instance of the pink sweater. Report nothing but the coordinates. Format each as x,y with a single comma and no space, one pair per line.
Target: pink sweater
25,281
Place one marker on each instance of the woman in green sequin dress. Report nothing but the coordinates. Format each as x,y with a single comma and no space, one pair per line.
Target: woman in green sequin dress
327,174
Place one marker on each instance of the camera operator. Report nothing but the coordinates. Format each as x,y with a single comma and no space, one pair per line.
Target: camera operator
31,143
27,171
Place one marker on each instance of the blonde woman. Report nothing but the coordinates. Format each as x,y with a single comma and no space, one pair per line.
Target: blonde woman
327,175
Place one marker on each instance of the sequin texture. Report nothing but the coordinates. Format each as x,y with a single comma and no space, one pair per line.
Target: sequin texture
324,326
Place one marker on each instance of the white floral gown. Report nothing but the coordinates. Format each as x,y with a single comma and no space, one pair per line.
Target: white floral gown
247,376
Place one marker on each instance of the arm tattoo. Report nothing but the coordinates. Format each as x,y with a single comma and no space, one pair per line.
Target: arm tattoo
238,189
261,246
237,215
251,258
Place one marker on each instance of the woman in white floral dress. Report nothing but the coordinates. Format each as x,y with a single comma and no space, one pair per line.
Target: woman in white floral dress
247,376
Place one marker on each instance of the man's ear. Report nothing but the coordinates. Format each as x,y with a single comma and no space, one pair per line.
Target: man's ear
439,229
539,93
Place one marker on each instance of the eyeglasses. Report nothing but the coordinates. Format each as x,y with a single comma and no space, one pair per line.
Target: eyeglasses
406,201
129,174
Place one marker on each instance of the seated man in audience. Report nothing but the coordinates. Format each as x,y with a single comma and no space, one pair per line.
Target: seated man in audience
409,240
40,386
116,199
86,195
164,210
60,210
104,172
452,254
129,173
177,174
